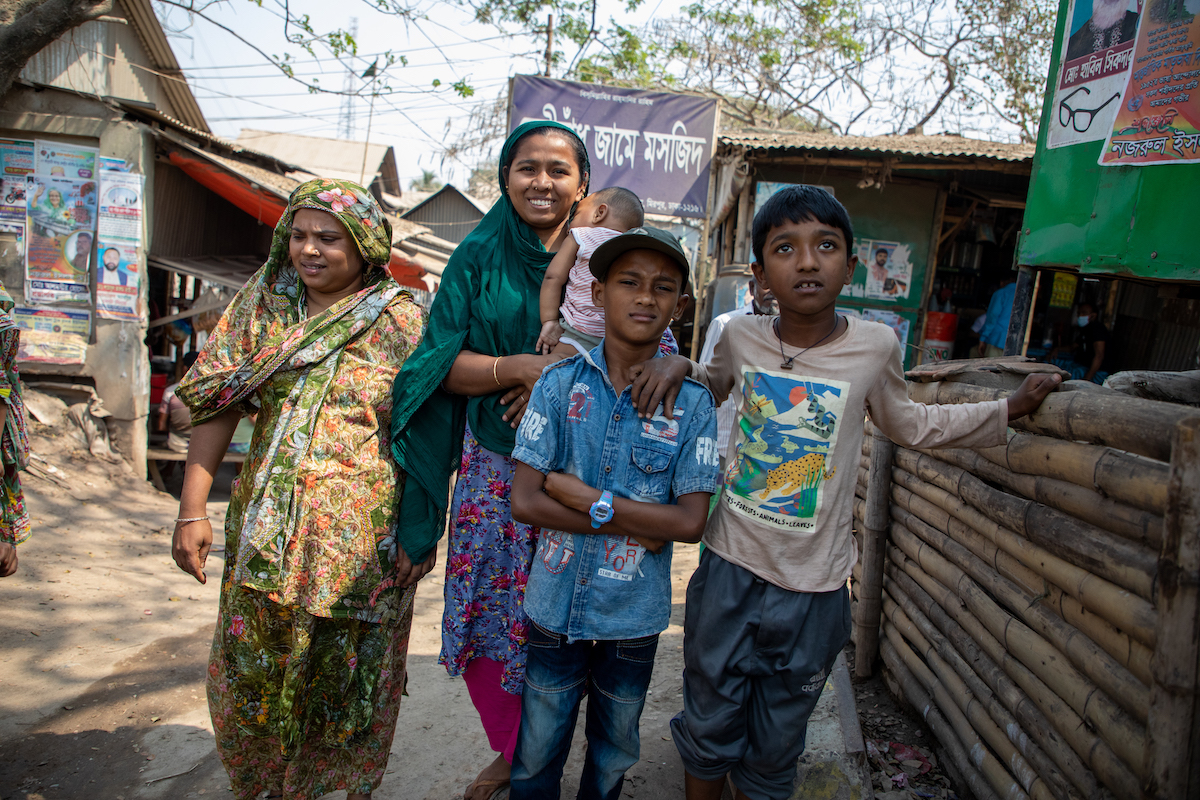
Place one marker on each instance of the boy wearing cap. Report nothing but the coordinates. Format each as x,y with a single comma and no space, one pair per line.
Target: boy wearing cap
610,491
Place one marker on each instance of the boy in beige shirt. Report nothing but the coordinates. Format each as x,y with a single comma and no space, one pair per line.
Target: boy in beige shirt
768,609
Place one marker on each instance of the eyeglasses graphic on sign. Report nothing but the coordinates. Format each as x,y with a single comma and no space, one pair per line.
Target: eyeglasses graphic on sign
1080,118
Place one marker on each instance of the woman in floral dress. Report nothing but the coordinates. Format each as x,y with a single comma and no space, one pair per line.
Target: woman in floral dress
308,658
14,442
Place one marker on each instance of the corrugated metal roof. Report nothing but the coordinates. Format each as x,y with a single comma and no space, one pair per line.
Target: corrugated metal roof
957,147
328,158
149,30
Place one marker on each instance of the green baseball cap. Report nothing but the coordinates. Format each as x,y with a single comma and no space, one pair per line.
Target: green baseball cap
640,239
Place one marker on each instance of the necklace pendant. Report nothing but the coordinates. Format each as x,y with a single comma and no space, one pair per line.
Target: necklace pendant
785,364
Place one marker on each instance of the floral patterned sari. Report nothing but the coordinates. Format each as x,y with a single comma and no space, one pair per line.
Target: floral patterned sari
14,441
308,660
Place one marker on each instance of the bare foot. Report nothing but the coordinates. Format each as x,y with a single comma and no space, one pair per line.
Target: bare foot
493,777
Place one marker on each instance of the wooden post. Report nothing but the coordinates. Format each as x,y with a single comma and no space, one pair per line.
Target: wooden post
1170,725
1021,309
875,534
1037,283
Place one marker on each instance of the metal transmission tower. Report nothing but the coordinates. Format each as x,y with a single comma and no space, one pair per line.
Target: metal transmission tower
346,127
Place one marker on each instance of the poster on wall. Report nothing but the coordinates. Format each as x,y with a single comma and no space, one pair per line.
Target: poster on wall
890,318
60,160
117,278
1158,116
889,268
764,189
62,224
121,206
12,198
52,336
1096,51
16,158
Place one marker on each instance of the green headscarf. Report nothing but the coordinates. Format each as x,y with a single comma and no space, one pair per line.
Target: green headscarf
487,303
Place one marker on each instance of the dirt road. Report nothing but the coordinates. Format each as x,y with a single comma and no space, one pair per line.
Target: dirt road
105,644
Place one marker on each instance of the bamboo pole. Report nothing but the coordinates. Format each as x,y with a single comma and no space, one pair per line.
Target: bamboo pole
1127,652
1130,479
874,549
1116,727
1123,609
982,693
1093,750
1120,561
981,757
994,755
1170,770
1083,502
1107,418
916,695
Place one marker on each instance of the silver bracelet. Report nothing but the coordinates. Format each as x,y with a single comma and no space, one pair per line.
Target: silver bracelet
188,519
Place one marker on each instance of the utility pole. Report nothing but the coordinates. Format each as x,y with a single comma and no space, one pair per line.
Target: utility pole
346,127
549,42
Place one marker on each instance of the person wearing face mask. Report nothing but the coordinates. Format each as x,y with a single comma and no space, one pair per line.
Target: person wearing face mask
1091,346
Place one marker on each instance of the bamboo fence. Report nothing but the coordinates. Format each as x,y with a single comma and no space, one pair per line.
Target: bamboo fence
1038,603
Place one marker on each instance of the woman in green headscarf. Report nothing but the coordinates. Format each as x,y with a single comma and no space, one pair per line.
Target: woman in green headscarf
308,658
456,405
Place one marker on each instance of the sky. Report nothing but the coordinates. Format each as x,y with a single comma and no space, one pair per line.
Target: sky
238,88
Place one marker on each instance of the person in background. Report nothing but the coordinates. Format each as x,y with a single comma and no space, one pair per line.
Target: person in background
173,415
14,442
761,302
1089,361
994,335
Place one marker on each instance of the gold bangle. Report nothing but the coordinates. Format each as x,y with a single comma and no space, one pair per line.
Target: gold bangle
495,377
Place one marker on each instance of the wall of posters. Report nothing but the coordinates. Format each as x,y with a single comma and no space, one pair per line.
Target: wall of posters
16,158
1096,51
52,336
1158,117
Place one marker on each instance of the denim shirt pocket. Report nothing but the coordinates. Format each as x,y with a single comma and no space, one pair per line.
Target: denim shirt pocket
647,476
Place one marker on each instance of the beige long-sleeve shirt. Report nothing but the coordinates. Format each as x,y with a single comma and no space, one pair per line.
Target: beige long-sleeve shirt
792,459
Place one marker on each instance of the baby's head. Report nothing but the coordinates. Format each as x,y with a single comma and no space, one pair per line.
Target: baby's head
614,207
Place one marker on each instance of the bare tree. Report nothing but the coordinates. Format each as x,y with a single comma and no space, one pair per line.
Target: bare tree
28,26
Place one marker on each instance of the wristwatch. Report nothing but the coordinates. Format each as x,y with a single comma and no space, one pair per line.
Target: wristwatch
602,509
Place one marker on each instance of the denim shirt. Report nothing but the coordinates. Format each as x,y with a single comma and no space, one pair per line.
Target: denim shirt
597,586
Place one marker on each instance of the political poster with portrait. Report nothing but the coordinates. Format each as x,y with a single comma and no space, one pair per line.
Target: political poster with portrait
889,268
61,160
61,231
1095,56
658,145
121,206
117,279
1158,116
51,335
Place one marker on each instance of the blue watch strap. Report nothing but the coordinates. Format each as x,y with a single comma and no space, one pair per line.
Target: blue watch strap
602,510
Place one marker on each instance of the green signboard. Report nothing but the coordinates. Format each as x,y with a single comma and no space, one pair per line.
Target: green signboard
1122,89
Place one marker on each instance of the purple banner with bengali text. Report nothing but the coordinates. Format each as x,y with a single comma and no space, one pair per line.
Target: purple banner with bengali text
655,144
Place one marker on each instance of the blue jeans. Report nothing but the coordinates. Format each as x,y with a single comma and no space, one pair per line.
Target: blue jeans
616,674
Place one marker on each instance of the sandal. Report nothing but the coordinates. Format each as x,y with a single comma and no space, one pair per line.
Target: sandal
496,789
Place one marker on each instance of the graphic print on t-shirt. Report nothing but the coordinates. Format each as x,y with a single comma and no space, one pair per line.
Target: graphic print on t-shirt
786,431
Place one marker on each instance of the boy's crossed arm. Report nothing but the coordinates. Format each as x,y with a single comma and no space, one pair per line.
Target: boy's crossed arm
562,502
557,274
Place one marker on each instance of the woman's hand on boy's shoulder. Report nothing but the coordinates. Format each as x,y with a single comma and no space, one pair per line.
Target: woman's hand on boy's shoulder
1031,393
658,381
